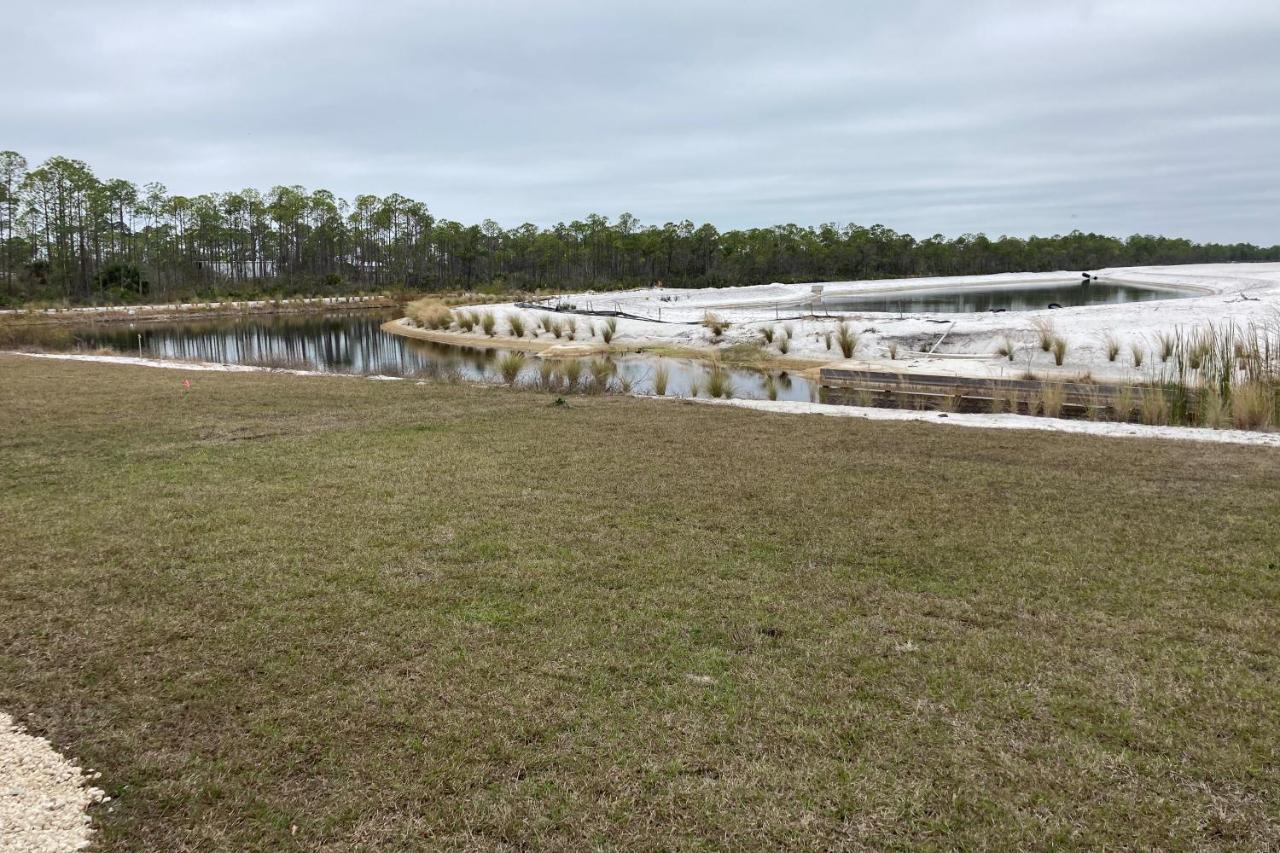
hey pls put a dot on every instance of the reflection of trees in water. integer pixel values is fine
(356, 342)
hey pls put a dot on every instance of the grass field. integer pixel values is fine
(326, 613)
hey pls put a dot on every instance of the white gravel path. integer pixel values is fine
(43, 796)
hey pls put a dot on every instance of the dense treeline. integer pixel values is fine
(68, 235)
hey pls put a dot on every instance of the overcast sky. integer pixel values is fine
(929, 117)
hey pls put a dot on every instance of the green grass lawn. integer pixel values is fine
(327, 613)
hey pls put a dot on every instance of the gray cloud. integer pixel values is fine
(928, 117)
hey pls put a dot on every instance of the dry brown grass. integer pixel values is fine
(429, 313)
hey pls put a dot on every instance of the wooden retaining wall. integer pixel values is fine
(851, 385)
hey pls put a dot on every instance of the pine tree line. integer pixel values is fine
(67, 235)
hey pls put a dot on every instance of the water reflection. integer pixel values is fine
(355, 343)
(1026, 297)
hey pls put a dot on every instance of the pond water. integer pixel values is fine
(353, 342)
(1024, 296)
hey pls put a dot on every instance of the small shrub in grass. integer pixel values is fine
(1112, 345)
(488, 323)
(1137, 353)
(847, 338)
(609, 330)
(516, 322)
(718, 383)
(1006, 348)
(784, 344)
(509, 365)
(1052, 396)
(716, 324)
(1253, 405)
(1044, 333)
(466, 320)
(1059, 347)
(767, 333)
(660, 378)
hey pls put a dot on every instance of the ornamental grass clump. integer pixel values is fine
(1059, 347)
(1052, 397)
(609, 330)
(509, 365)
(488, 322)
(1112, 345)
(601, 370)
(467, 320)
(429, 313)
(1253, 405)
(1006, 348)
(572, 375)
(660, 378)
(847, 338)
(1153, 406)
(516, 322)
(546, 375)
(1138, 353)
(716, 324)
(1045, 334)
(719, 383)
(767, 333)
(547, 322)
